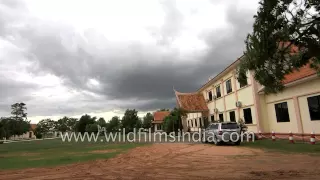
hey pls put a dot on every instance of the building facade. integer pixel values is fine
(28, 135)
(158, 120)
(295, 109)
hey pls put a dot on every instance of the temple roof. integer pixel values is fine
(192, 102)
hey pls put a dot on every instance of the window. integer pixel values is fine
(229, 126)
(247, 116)
(210, 95)
(195, 123)
(232, 115)
(243, 83)
(314, 107)
(228, 86)
(218, 91)
(191, 123)
(188, 124)
(212, 118)
(214, 126)
(200, 122)
(282, 112)
(221, 117)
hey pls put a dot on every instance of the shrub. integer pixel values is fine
(38, 136)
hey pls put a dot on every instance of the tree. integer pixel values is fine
(101, 122)
(84, 121)
(44, 127)
(11, 127)
(21, 126)
(92, 128)
(62, 124)
(130, 120)
(139, 124)
(18, 111)
(72, 123)
(3, 129)
(285, 37)
(18, 124)
(164, 109)
(114, 124)
(173, 121)
(147, 121)
(168, 123)
(179, 113)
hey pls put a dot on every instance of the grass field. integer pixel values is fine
(46, 153)
(284, 146)
(55, 152)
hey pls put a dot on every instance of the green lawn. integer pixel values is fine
(284, 145)
(55, 152)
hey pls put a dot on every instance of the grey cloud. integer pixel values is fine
(137, 73)
(173, 22)
(13, 91)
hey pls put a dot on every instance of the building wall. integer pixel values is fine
(227, 102)
(264, 115)
(193, 121)
(158, 127)
(263, 106)
(245, 96)
(308, 126)
(251, 127)
(24, 136)
(300, 121)
(283, 127)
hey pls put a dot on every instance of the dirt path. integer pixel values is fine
(183, 161)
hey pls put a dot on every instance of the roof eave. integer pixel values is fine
(293, 83)
(222, 73)
(194, 111)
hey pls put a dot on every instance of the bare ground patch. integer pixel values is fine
(183, 161)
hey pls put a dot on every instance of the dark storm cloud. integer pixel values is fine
(137, 73)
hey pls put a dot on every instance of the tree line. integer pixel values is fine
(90, 124)
(18, 124)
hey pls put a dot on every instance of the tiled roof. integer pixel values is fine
(160, 115)
(293, 48)
(303, 72)
(194, 102)
(33, 127)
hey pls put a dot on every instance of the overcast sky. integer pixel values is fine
(70, 57)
